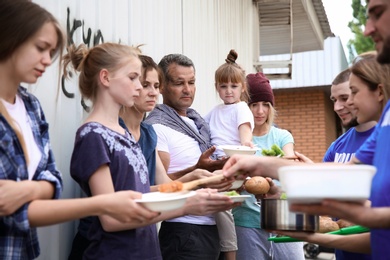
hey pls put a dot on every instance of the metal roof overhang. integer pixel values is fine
(310, 26)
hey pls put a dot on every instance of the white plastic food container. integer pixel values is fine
(313, 183)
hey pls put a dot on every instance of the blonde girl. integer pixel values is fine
(231, 123)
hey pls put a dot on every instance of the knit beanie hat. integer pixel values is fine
(259, 88)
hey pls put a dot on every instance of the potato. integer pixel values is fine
(327, 225)
(257, 185)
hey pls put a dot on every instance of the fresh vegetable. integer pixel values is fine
(283, 196)
(274, 151)
(232, 193)
(257, 185)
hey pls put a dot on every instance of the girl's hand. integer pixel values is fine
(13, 195)
(248, 143)
(122, 207)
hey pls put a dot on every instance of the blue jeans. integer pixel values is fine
(183, 241)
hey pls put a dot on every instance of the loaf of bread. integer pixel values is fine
(257, 185)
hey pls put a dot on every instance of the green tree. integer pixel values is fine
(360, 43)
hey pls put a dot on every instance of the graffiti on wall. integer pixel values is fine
(87, 40)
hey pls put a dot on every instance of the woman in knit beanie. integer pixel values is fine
(252, 241)
(259, 90)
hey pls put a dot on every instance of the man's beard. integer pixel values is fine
(384, 56)
(351, 123)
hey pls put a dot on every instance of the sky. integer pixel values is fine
(339, 14)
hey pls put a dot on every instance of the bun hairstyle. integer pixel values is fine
(89, 63)
(232, 72)
(232, 57)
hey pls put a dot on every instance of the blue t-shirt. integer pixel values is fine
(376, 151)
(148, 143)
(248, 214)
(342, 151)
(95, 146)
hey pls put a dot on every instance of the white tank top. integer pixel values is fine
(18, 112)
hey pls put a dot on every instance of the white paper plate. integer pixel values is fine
(237, 149)
(239, 198)
(164, 201)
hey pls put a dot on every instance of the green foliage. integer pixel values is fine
(361, 43)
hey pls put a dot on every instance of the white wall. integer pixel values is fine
(204, 30)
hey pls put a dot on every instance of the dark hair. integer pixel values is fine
(19, 21)
(178, 59)
(231, 71)
(342, 77)
(231, 57)
(148, 64)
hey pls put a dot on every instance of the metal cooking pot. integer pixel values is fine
(275, 215)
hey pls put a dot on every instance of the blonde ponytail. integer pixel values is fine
(11, 122)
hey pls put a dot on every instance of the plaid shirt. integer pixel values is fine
(17, 239)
